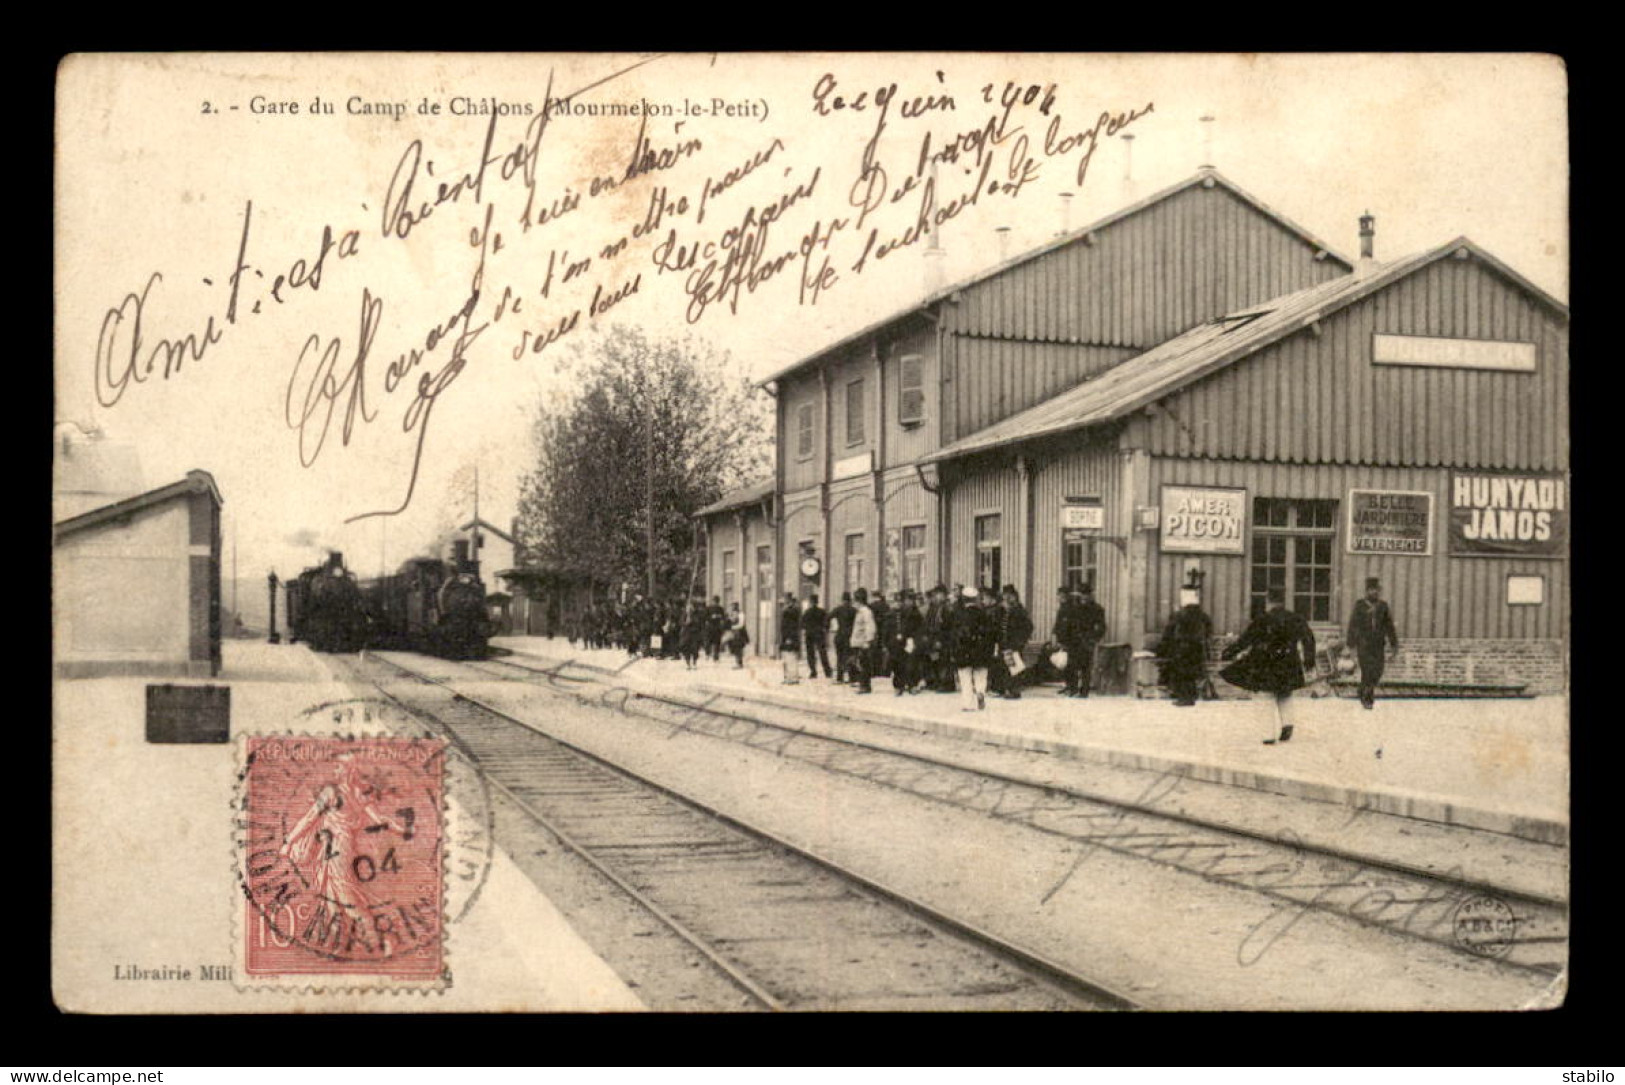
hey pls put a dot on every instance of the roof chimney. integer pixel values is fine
(1207, 140)
(1004, 243)
(1368, 237)
(1066, 214)
(935, 255)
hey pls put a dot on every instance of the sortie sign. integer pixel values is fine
(1203, 520)
(1508, 515)
(1390, 522)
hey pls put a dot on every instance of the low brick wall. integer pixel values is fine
(1541, 664)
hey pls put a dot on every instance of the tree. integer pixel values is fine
(657, 430)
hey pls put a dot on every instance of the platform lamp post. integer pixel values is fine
(270, 583)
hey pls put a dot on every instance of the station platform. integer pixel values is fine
(1501, 766)
(146, 866)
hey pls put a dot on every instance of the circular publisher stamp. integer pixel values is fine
(1486, 926)
(357, 848)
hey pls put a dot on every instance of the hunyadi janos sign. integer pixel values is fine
(1508, 515)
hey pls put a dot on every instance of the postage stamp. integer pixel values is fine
(342, 858)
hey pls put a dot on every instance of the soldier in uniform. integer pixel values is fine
(1183, 648)
(1371, 631)
(907, 637)
(790, 639)
(1015, 630)
(815, 633)
(841, 620)
(716, 624)
(934, 668)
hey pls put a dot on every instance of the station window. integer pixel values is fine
(854, 412)
(730, 583)
(911, 390)
(804, 431)
(854, 561)
(988, 549)
(914, 557)
(1080, 562)
(764, 574)
(1293, 544)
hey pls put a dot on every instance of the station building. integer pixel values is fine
(137, 584)
(1192, 385)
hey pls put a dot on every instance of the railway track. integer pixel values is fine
(1436, 907)
(787, 929)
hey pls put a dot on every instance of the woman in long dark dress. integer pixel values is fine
(1271, 657)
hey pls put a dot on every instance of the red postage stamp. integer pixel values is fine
(342, 858)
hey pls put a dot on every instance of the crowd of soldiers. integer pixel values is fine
(663, 629)
(970, 640)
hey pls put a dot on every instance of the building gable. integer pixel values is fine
(1454, 363)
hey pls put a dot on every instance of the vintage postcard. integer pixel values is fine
(793, 531)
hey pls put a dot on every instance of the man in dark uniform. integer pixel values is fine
(953, 617)
(716, 624)
(1183, 648)
(1015, 630)
(907, 637)
(877, 651)
(1080, 666)
(932, 663)
(843, 617)
(815, 632)
(1371, 630)
(790, 639)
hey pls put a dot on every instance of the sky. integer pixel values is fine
(172, 170)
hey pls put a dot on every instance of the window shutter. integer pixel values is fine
(804, 428)
(911, 390)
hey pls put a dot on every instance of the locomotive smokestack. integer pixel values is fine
(1368, 237)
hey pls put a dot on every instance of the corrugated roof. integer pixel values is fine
(195, 482)
(748, 495)
(1208, 347)
(1204, 175)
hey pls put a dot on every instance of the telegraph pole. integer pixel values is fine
(649, 486)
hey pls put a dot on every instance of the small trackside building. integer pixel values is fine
(740, 558)
(137, 585)
(856, 499)
(1406, 422)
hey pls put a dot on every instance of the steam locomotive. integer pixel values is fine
(428, 606)
(325, 608)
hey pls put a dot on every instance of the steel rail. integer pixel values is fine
(694, 941)
(1378, 866)
(1058, 976)
(1316, 849)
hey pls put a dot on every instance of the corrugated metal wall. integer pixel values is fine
(1085, 469)
(1319, 399)
(905, 444)
(1433, 596)
(1045, 325)
(795, 392)
(1200, 253)
(988, 486)
(992, 379)
(852, 508)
